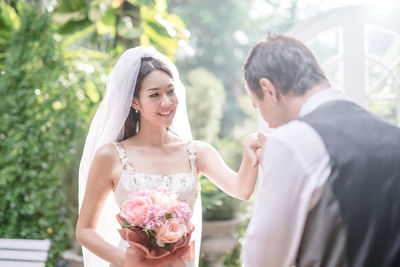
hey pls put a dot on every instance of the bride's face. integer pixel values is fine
(157, 100)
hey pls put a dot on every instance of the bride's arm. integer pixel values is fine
(239, 185)
(100, 182)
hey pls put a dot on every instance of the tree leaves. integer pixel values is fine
(39, 116)
(9, 21)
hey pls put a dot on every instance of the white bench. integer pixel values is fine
(23, 252)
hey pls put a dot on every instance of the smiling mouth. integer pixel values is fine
(165, 114)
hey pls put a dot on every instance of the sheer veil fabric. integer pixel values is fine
(108, 126)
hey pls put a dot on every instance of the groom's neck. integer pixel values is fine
(294, 104)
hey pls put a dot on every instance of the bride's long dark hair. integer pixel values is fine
(147, 65)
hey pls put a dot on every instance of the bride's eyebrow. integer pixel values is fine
(157, 88)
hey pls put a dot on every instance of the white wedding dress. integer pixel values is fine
(186, 185)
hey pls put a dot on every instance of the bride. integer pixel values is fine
(140, 138)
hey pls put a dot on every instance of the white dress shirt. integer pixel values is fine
(294, 169)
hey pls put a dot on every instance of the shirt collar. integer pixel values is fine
(322, 97)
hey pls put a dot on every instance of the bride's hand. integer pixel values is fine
(138, 259)
(254, 145)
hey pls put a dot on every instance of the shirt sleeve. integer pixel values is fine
(281, 206)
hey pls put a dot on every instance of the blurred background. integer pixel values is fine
(55, 56)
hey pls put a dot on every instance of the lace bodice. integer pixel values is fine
(186, 185)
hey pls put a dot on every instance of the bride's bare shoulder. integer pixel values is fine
(106, 151)
(106, 160)
(205, 155)
(202, 147)
(107, 154)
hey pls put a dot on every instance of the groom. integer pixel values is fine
(329, 193)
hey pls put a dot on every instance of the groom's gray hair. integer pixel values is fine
(286, 62)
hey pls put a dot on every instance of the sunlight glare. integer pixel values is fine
(383, 7)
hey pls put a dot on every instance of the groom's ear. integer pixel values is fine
(269, 89)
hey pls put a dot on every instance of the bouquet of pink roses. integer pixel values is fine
(156, 223)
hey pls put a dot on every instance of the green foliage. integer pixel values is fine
(213, 26)
(104, 25)
(223, 32)
(160, 29)
(231, 151)
(216, 204)
(232, 258)
(39, 111)
(9, 21)
(205, 98)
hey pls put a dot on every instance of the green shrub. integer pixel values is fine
(9, 20)
(205, 98)
(39, 121)
(216, 204)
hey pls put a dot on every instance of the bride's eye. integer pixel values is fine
(154, 95)
(171, 92)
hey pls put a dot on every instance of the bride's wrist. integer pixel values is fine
(121, 259)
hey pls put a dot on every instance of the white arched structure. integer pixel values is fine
(359, 50)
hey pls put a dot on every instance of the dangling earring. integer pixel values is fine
(137, 122)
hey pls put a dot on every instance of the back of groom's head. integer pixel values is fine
(286, 62)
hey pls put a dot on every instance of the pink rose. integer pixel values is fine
(166, 201)
(134, 210)
(173, 230)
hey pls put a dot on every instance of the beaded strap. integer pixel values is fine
(124, 157)
(192, 156)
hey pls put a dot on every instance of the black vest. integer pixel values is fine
(357, 220)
